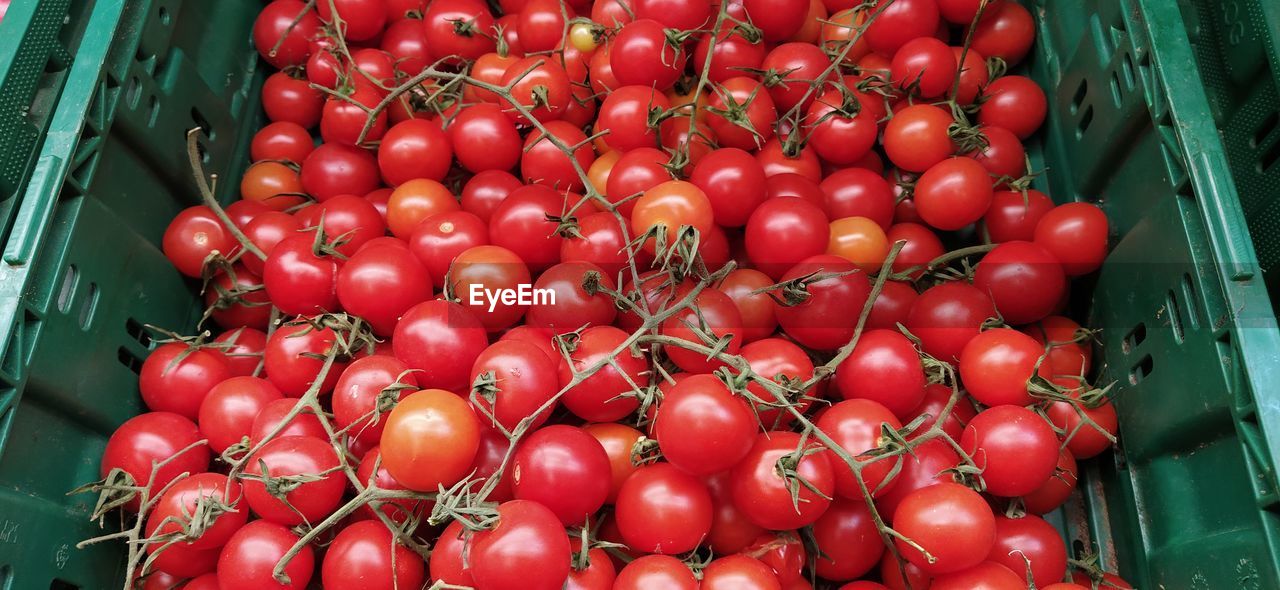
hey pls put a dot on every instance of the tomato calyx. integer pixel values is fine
(735, 112)
(796, 291)
(352, 335)
(787, 467)
(645, 451)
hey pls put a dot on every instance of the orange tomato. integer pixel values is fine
(416, 200)
(670, 206)
(273, 184)
(860, 241)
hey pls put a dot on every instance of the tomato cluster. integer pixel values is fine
(754, 364)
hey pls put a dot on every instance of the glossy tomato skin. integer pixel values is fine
(1004, 155)
(798, 66)
(282, 140)
(884, 367)
(1036, 540)
(227, 412)
(826, 319)
(304, 424)
(661, 509)
(480, 275)
(1076, 235)
(599, 397)
(484, 138)
(573, 306)
(738, 572)
(858, 192)
(251, 555)
(641, 56)
(177, 379)
(899, 22)
(334, 169)
(244, 349)
(526, 549)
(923, 470)
(521, 225)
(843, 131)
(1085, 440)
(848, 540)
(192, 236)
(1006, 31)
(758, 310)
(355, 395)
(953, 193)
(984, 576)
(365, 555)
(715, 315)
(996, 365)
(656, 572)
(947, 316)
(298, 281)
(916, 137)
(238, 301)
(925, 66)
(173, 511)
(1013, 217)
(762, 494)
(782, 232)
(415, 201)
(937, 518)
(781, 361)
(446, 40)
(1024, 280)
(446, 564)
(290, 362)
(349, 222)
(285, 98)
(1015, 103)
(290, 456)
(440, 238)
(698, 405)
(1016, 449)
(734, 183)
(617, 440)
(892, 307)
(752, 99)
(149, 438)
(524, 378)
(276, 25)
(414, 149)
(564, 469)
(442, 340)
(380, 284)
(855, 426)
(417, 430)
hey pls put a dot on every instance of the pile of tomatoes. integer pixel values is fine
(633, 294)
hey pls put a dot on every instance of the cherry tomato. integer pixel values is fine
(656, 572)
(564, 469)
(698, 405)
(857, 192)
(526, 549)
(1032, 538)
(521, 378)
(1015, 103)
(797, 67)
(640, 55)
(617, 440)
(602, 396)
(738, 572)
(731, 54)
(855, 426)
(380, 284)
(996, 364)
(430, 439)
(146, 439)
(923, 66)
(984, 576)
(441, 340)
(273, 414)
(176, 377)
(844, 126)
(173, 512)
(712, 315)
(917, 137)
(733, 182)
(860, 241)
(576, 303)
(1015, 448)
(244, 352)
(661, 509)
(487, 279)
(193, 236)
(228, 411)
(539, 86)
(1006, 31)
(898, 22)
(1013, 216)
(458, 29)
(884, 367)
(282, 33)
(947, 316)
(950, 522)
(250, 557)
(827, 312)
(546, 164)
(847, 538)
(1025, 281)
(765, 497)
(419, 149)
(758, 310)
(335, 169)
(783, 232)
(365, 555)
(282, 140)
(286, 457)
(1076, 235)
(416, 200)
(749, 113)
(290, 358)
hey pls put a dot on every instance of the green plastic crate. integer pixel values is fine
(1188, 501)
(37, 43)
(82, 270)
(1237, 47)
